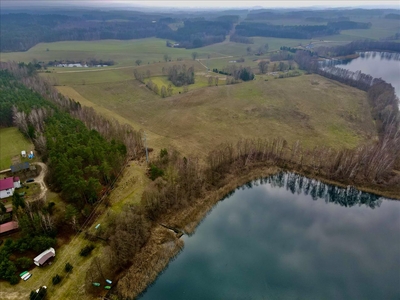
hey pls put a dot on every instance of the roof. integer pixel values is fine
(19, 167)
(8, 227)
(7, 183)
(44, 256)
(16, 179)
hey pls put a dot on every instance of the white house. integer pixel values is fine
(44, 256)
(8, 185)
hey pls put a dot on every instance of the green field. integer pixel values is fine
(124, 53)
(12, 142)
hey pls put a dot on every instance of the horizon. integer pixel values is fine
(191, 5)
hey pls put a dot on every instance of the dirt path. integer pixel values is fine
(40, 180)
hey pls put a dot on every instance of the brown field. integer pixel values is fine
(309, 108)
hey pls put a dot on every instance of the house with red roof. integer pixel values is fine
(8, 185)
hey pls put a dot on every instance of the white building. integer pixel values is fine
(8, 185)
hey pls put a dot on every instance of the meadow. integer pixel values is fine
(12, 142)
(309, 108)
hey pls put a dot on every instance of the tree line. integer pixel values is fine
(360, 45)
(199, 32)
(250, 29)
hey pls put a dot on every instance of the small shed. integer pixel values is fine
(43, 257)
(23, 153)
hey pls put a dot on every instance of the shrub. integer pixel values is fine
(56, 279)
(85, 251)
(68, 267)
(14, 279)
(155, 172)
(38, 295)
(24, 262)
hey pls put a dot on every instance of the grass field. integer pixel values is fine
(12, 142)
(309, 107)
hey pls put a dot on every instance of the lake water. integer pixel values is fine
(288, 237)
(377, 64)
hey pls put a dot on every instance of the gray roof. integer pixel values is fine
(19, 167)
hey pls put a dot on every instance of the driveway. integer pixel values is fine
(40, 180)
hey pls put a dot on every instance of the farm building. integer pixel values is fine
(8, 185)
(23, 153)
(41, 259)
(8, 227)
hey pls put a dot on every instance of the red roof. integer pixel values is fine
(7, 183)
(8, 226)
(16, 179)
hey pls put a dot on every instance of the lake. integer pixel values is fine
(377, 64)
(289, 237)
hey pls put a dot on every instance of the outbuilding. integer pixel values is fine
(43, 257)
(8, 185)
(9, 227)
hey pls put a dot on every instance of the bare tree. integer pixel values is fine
(166, 57)
(138, 62)
(194, 55)
(263, 66)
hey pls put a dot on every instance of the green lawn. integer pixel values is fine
(12, 142)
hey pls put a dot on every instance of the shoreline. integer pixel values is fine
(164, 244)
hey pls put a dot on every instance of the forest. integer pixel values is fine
(249, 29)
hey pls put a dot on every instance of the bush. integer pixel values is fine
(85, 251)
(24, 262)
(155, 172)
(56, 279)
(14, 279)
(39, 295)
(68, 267)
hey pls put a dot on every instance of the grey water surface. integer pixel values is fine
(289, 237)
(377, 64)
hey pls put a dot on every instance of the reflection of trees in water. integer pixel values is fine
(298, 184)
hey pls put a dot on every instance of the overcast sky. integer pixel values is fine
(204, 4)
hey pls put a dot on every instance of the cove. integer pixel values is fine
(289, 237)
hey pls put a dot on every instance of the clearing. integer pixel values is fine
(12, 142)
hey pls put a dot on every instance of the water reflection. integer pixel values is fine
(290, 237)
(383, 65)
